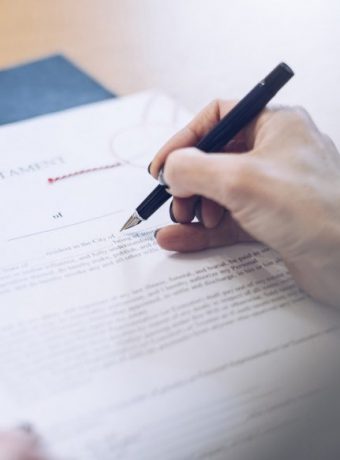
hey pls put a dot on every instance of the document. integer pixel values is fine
(115, 349)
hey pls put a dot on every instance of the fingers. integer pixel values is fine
(187, 172)
(193, 132)
(195, 237)
(209, 213)
(19, 436)
(182, 210)
(236, 145)
(225, 179)
(17, 445)
(276, 123)
(20, 444)
(255, 135)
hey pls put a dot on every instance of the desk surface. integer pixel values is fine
(196, 50)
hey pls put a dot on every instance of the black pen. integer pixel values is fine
(245, 111)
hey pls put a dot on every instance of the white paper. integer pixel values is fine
(116, 349)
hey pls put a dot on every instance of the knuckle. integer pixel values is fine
(175, 164)
(289, 112)
(170, 168)
(217, 102)
(210, 112)
(215, 108)
(296, 119)
(299, 115)
(300, 111)
(328, 141)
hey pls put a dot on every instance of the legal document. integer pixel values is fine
(115, 349)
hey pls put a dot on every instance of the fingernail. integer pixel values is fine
(155, 234)
(149, 168)
(161, 179)
(198, 210)
(171, 212)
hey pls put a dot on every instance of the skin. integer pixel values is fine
(279, 184)
(20, 444)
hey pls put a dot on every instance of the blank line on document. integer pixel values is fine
(28, 235)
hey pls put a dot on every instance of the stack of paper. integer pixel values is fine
(115, 349)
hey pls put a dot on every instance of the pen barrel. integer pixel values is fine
(246, 110)
(238, 118)
(153, 201)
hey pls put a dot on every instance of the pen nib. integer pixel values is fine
(132, 221)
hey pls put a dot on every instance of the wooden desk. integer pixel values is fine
(194, 49)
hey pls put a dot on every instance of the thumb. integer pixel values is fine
(223, 178)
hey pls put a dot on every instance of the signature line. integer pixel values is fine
(21, 237)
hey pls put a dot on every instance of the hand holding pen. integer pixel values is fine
(279, 184)
(224, 131)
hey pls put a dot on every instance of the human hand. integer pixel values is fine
(283, 190)
(20, 444)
